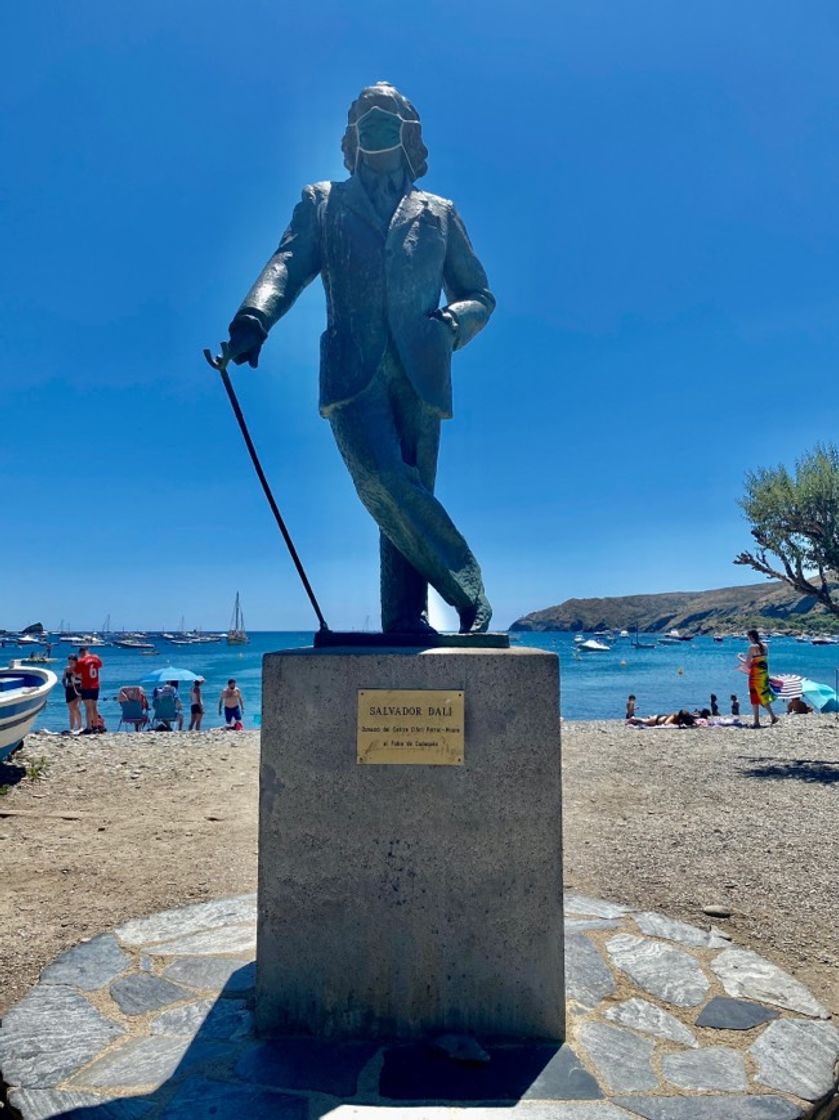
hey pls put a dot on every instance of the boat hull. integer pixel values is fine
(24, 690)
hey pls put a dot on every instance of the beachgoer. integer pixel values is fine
(715, 711)
(88, 666)
(178, 705)
(72, 693)
(798, 707)
(681, 718)
(735, 705)
(196, 707)
(233, 704)
(757, 664)
(630, 706)
(169, 689)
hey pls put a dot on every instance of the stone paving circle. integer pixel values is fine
(666, 1021)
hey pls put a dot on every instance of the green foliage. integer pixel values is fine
(795, 523)
(36, 768)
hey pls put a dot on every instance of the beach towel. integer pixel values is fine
(760, 690)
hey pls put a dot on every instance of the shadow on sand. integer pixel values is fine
(813, 770)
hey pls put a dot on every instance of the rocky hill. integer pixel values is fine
(772, 606)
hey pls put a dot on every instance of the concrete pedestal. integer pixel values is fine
(399, 900)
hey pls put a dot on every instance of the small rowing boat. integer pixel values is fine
(23, 693)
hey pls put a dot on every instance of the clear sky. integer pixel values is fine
(652, 187)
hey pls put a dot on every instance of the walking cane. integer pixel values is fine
(220, 363)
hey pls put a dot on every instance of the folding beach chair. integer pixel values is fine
(133, 706)
(167, 708)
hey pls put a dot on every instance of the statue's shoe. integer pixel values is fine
(474, 619)
(419, 625)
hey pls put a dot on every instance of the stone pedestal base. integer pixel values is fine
(399, 900)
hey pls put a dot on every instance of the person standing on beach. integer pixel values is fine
(72, 693)
(630, 706)
(196, 707)
(735, 705)
(715, 708)
(88, 666)
(233, 704)
(756, 664)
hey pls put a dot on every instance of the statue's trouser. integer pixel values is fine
(389, 440)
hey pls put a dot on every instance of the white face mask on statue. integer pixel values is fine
(379, 130)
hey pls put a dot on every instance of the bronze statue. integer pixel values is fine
(385, 250)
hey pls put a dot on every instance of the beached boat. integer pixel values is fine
(593, 646)
(236, 635)
(23, 693)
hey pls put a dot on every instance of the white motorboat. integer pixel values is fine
(673, 636)
(132, 643)
(23, 693)
(591, 645)
(92, 640)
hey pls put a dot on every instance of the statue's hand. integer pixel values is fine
(246, 337)
(450, 319)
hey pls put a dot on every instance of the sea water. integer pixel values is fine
(593, 685)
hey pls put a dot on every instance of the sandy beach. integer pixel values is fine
(100, 829)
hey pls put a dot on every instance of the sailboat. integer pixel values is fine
(642, 645)
(236, 635)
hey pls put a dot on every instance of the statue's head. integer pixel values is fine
(381, 119)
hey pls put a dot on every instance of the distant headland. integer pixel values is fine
(768, 606)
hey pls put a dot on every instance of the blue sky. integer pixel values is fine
(652, 188)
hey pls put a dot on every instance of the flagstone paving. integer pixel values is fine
(666, 1021)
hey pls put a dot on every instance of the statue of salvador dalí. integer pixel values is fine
(385, 251)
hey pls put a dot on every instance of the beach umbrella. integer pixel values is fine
(171, 673)
(787, 685)
(820, 696)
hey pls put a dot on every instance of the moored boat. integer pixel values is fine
(133, 642)
(237, 635)
(23, 693)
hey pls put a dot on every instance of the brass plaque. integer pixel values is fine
(410, 728)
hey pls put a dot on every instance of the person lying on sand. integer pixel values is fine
(681, 718)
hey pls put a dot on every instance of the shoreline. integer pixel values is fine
(115, 826)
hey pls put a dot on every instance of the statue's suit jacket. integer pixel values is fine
(382, 281)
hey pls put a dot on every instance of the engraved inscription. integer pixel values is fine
(410, 728)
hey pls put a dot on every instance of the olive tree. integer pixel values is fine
(795, 523)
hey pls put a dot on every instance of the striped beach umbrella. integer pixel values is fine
(787, 685)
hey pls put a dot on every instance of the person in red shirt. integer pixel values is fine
(87, 667)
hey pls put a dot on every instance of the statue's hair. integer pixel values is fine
(387, 97)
